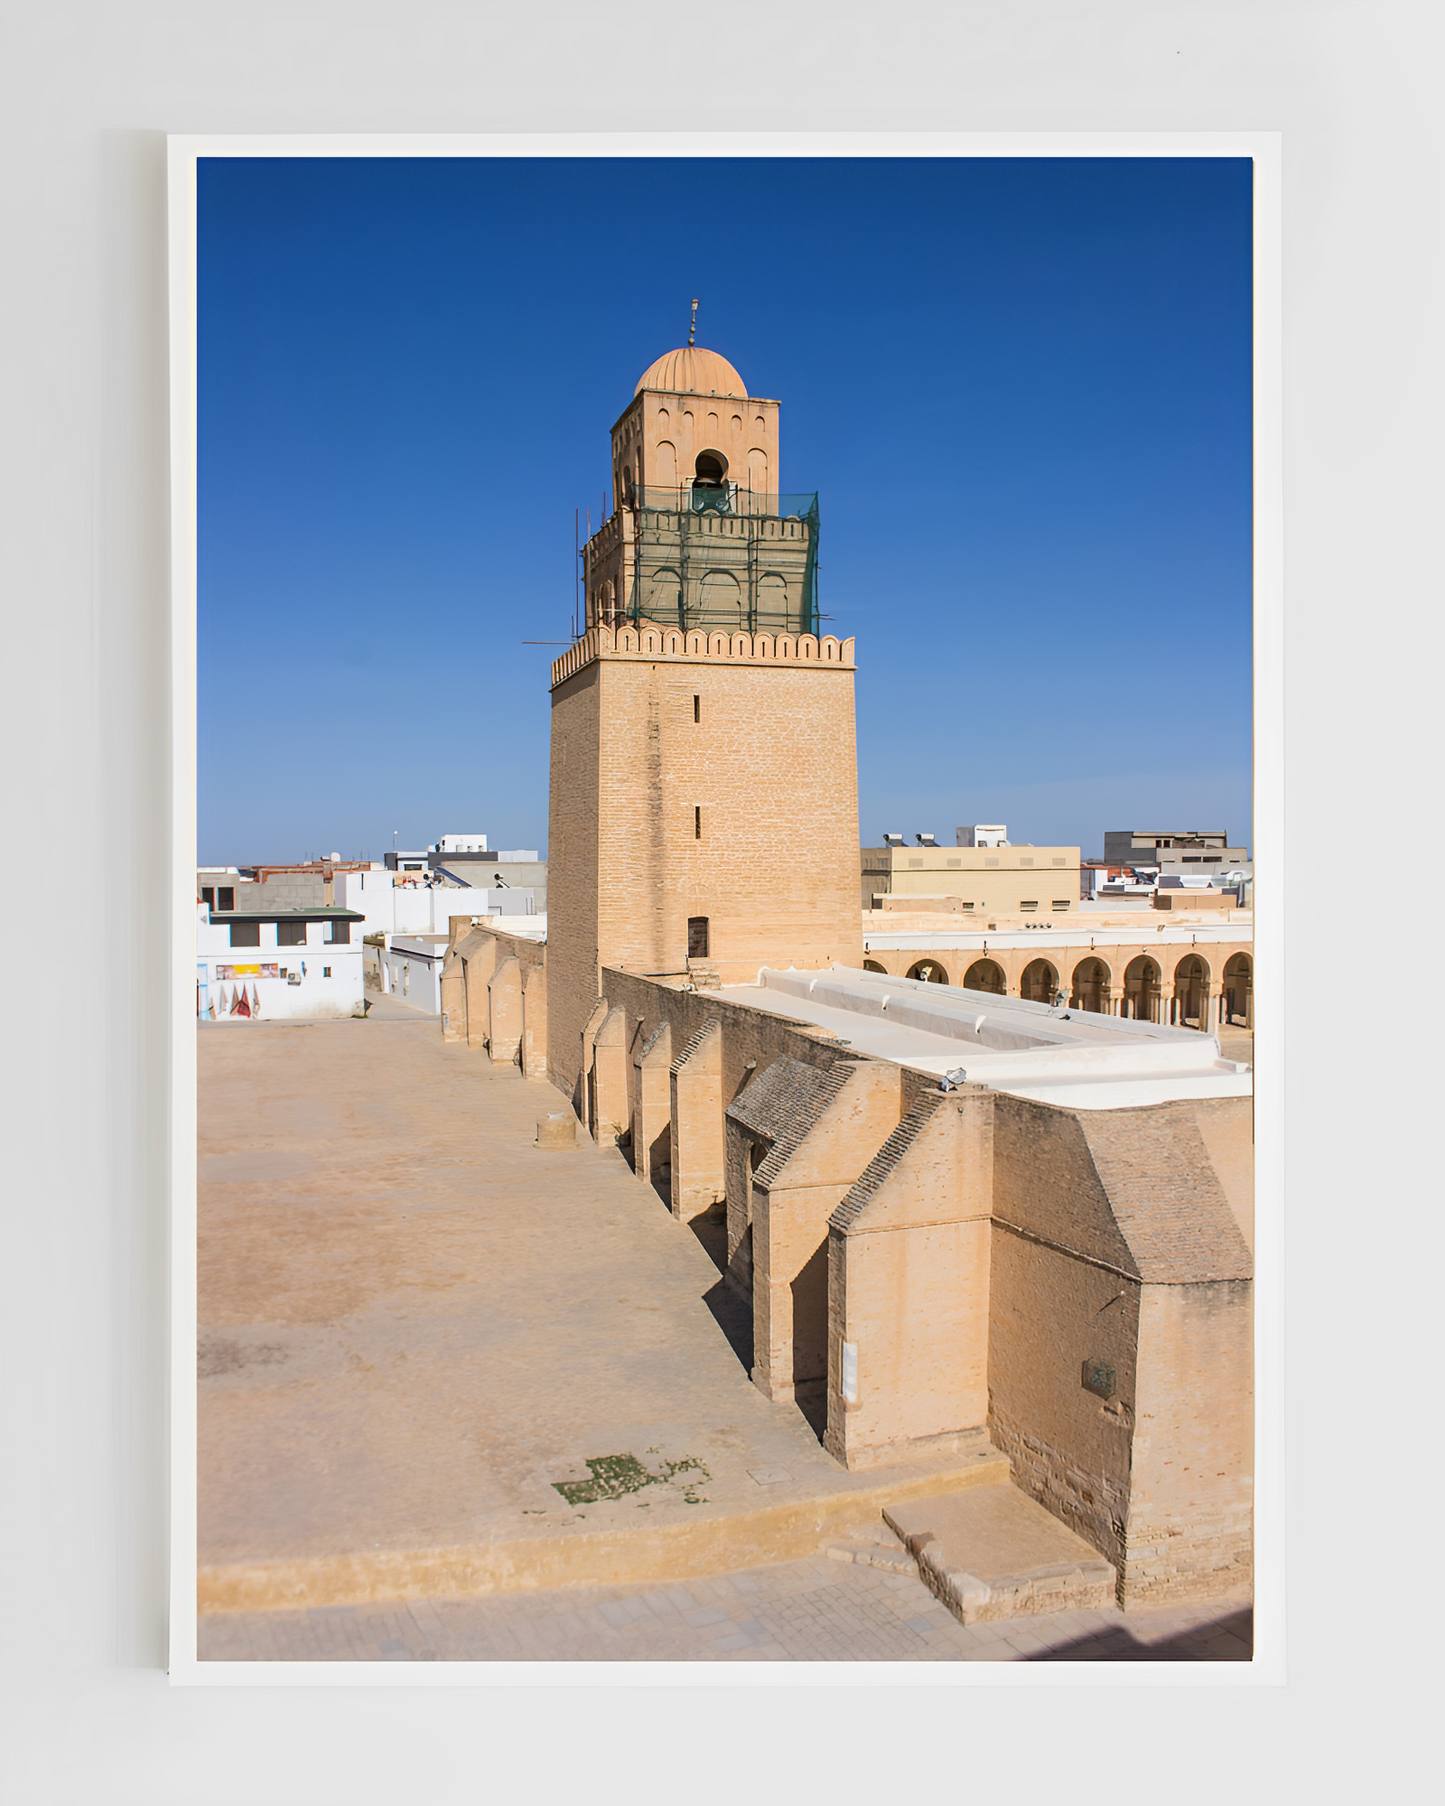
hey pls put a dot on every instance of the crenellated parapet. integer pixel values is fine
(648, 640)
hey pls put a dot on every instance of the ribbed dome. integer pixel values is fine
(693, 371)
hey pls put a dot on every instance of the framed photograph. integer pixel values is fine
(735, 694)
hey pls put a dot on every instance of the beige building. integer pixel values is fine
(1188, 974)
(961, 1219)
(1192, 850)
(1008, 880)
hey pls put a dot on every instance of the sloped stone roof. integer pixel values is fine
(1164, 1195)
(782, 1104)
(924, 1108)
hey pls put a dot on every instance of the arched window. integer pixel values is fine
(1239, 991)
(1191, 993)
(709, 483)
(985, 975)
(1090, 989)
(1141, 990)
(773, 601)
(929, 971)
(722, 599)
(662, 596)
(1040, 982)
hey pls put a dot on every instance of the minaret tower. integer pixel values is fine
(704, 804)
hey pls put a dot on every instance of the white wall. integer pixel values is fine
(413, 977)
(392, 908)
(330, 982)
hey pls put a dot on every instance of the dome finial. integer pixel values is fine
(692, 330)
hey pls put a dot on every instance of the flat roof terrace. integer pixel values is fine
(1035, 1050)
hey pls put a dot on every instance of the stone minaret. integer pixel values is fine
(704, 804)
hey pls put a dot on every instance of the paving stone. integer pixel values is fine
(811, 1611)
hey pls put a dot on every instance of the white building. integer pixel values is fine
(411, 969)
(296, 964)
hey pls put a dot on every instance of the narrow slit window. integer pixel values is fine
(697, 822)
(697, 708)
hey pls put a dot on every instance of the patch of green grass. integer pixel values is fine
(614, 1476)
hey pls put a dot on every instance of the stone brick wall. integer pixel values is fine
(572, 843)
(1191, 1492)
(1116, 1250)
(698, 777)
(1049, 1313)
(471, 1012)
(908, 1274)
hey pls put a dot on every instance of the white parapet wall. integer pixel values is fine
(1034, 1050)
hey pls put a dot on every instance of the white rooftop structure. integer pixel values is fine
(1051, 1054)
(1067, 932)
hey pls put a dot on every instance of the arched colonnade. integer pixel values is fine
(1183, 988)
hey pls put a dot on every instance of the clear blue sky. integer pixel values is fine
(1021, 387)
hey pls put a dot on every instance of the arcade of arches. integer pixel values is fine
(1187, 987)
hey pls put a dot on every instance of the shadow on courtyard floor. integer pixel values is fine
(1228, 1639)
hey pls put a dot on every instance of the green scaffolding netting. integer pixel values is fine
(720, 556)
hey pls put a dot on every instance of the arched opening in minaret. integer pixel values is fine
(710, 487)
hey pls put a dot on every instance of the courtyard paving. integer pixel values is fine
(428, 1348)
(421, 1337)
(814, 1610)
